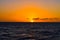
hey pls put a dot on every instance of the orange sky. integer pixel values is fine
(25, 12)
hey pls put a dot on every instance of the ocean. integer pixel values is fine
(29, 30)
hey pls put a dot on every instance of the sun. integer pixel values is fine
(31, 21)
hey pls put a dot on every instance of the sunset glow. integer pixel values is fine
(19, 11)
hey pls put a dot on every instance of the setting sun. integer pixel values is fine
(31, 21)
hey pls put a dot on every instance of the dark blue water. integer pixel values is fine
(29, 31)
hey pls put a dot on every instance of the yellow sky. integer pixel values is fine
(19, 12)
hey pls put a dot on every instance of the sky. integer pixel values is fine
(26, 10)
